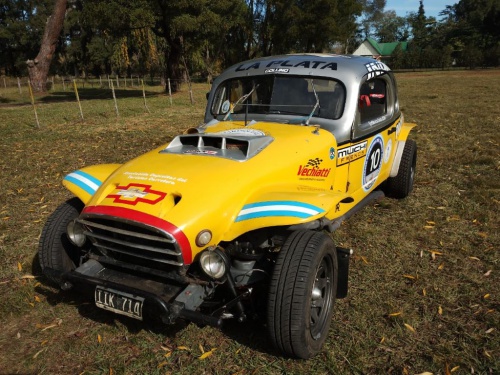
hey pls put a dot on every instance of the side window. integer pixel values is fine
(372, 102)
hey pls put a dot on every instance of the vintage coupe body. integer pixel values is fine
(233, 218)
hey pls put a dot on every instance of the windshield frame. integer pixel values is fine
(269, 96)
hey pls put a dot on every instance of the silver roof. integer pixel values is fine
(352, 71)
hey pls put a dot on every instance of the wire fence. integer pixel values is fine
(19, 91)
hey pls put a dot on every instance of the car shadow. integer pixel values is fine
(252, 333)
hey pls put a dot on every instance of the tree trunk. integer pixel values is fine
(173, 63)
(38, 69)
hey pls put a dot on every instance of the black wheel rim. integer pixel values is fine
(321, 297)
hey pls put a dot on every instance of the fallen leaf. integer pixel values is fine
(19, 266)
(201, 348)
(99, 338)
(430, 223)
(168, 354)
(487, 354)
(490, 330)
(454, 368)
(486, 296)
(426, 373)
(440, 310)
(482, 234)
(474, 258)
(18, 335)
(164, 363)
(206, 354)
(409, 327)
(488, 273)
(395, 313)
(424, 292)
(26, 276)
(183, 348)
(382, 340)
(39, 352)
(409, 277)
(37, 298)
(441, 266)
(428, 226)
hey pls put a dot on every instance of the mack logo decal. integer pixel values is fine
(136, 193)
(347, 154)
(312, 169)
(307, 64)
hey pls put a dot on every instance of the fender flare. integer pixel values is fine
(83, 183)
(402, 137)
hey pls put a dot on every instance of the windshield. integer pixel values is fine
(276, 94)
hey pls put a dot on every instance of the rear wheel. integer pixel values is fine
(302, 294)
(56, 253)
(401, 185)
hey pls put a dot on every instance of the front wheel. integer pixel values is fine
(302, 294)
(55, 251)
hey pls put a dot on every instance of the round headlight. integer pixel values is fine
(213, 264)
(75, 233)
(203, 238)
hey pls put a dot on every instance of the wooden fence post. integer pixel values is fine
(169, 91)
(114, 99)
(78, 98)
(33, 104)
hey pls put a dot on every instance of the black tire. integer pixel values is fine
(55, 251)
(402, 185)
(302, 294)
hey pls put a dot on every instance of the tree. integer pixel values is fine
(392, 28)
(38, 69)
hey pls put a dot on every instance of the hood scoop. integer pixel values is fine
(234, 147)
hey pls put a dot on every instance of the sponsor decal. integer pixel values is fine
(313, 169)
(278, 208)
(373, 163)
(204, 152)
(388, 149)
(376, 68)
(332, 153)
(137, 193)
(351, 153)
(153, 177)
(278, 64)
(243, 132)
(84, 181)
(277, 70)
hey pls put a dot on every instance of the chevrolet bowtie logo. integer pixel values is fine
(137, 193)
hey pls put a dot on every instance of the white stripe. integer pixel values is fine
(278, 207)
(85, 180)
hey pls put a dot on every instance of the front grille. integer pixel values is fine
(132, 242)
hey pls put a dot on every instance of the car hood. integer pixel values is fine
(213, 179)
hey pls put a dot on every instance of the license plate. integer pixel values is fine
(119, 302)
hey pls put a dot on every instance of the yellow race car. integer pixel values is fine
(232, 219)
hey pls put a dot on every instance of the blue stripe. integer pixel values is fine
(80, 184)
(91, 178)
(255, 215)
(281, 203)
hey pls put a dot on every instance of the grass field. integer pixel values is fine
(424, 282)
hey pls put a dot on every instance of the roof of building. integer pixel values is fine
(386, 49)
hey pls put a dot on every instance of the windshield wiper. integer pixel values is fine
(240, 100)
(315, 106)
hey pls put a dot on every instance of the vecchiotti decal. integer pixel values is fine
(84, 181)
(278, 208)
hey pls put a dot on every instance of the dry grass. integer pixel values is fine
(424, 280)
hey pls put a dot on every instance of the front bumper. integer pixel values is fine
(159, 297)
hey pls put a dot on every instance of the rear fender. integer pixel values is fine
(84, 182)
(402, 136)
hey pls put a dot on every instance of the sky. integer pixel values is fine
(432, 7)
